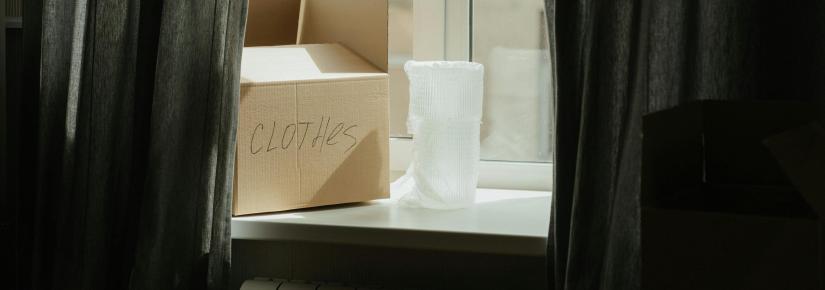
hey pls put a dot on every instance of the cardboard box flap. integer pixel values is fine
(303, 62)
(272, 22)
(801, 154)
(360, 25)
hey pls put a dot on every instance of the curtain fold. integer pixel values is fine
(618, 60)
(597, 145)
(135, 125)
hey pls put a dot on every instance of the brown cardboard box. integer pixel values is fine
(313, 121)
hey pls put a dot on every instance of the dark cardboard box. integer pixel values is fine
(737, 205)
(732, 237)
(694, 249)
(709, 143)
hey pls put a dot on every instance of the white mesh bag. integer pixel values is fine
(445, 120)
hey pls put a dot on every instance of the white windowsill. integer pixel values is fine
(502, 221)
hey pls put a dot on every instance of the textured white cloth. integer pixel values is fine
(445, 120)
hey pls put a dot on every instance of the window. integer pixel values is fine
(509, 37)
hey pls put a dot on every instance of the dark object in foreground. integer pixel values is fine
(720, 209)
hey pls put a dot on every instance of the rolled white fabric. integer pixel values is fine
(445, 121)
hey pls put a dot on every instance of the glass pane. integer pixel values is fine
(510, 39)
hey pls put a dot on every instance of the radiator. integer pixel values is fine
(282, 284)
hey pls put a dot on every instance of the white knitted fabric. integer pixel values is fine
(445, 120)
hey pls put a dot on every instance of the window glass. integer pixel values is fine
(510, 39)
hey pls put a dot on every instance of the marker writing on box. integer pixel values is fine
(295, 134)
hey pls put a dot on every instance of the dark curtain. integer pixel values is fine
(125, 165)
(618, 60)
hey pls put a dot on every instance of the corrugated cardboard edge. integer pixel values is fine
(303, 207)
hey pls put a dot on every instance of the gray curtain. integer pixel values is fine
(618, 60)
(129, 149)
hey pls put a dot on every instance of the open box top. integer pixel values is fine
(308, 62)
(359, 25)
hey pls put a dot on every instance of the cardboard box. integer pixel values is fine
(720, 226)
(711, 143)
(697, 249)
(756, 238)
(313, 123)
